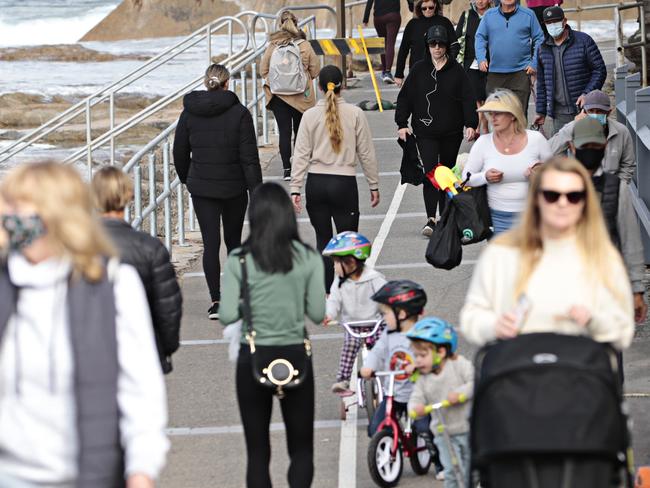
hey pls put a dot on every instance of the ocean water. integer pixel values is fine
(32, 22)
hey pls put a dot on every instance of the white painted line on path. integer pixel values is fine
(210, 342)
(238, 429)
(348, 447)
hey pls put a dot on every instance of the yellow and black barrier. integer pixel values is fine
(342, 47)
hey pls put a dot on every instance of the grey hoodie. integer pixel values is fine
(351, 301)
(457, 376)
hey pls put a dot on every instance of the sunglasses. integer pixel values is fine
(424, 9)
(437, 44)
(572, 197)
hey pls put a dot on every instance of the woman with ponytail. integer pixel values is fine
(332, 135)
(289, 105)
(215, 154)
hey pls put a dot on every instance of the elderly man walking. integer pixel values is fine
(512, 35)
(569, 65)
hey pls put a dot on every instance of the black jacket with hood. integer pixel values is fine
(439, 103)
(215, 148)
(473, 20)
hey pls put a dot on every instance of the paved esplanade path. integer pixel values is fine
(207, 440)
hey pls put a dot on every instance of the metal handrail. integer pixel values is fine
(108, 91)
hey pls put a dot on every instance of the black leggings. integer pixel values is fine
(387, 26)
(255, 406)
(288, 119)
(209, 212)
(331, 197)
(433, 151)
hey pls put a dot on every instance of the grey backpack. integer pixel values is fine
(287, 75)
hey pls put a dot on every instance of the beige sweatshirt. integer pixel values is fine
(559, 282)
(313, 151)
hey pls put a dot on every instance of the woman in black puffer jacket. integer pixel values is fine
(112, 192)
(215, 154)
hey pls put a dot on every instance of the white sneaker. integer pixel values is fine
(427, 230)
(440, 476)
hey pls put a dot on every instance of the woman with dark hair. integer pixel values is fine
(332, 135)
(438, 99)
(215, 154)
(285, 283)
(288, 107)
(387, 20)
(427, 13)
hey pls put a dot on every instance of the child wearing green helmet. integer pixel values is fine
(350, 296)
(444, 375)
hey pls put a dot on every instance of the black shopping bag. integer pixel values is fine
(444, 250)
(472, 215)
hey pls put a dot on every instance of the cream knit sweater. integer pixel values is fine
(559, 282)
(313, 150)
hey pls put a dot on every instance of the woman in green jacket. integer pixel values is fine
(285, 283)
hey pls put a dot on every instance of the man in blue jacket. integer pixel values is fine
(569, 66)
(510, 33)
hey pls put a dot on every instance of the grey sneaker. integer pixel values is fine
(427, 230)
(340, 386)
(388, 78)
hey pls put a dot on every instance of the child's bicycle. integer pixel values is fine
(369, 392)
(392, 441)
(436, 409)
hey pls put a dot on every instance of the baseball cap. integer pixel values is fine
(597, 99)
(437, 33)
(553, 14)
(588, 131)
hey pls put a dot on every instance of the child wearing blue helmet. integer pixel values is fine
(444, 375)
(350, 295)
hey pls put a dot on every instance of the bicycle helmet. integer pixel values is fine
(436, 331)
(348, 244)
(404, 294)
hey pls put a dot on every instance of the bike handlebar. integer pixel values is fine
(438, 406)
(389, 373)
(359, 324)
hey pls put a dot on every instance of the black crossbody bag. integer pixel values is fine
(278, 367)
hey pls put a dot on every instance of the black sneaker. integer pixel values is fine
(287, 174)
(427, 230)
(213, 311)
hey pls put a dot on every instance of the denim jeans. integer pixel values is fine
(460, 444)
(503, 221)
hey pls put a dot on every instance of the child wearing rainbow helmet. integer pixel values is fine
(444, 375)
(350, 296)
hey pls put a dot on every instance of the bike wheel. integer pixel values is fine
(385, 469)
(421, 458)
(369, 392)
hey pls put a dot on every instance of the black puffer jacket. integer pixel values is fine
(439, 103)
(215, 148)
(473, 20)
(151, 260)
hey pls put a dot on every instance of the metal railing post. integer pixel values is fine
(111, 118)
(88, 140)
(209, 36)
(255, 97)
(153, 221)
(243, 87)
(191, 217)
(168, 199)
(230, 38)
(181, 214)
(137, 195)
(265, 120)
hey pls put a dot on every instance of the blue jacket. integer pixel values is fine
(584, 70)
(509, 41)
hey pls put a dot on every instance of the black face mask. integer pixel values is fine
(590, 158)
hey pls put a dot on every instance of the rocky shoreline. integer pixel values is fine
(75, 53)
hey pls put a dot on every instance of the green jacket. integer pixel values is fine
(279, 302)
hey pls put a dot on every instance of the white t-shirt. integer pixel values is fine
(509, 195)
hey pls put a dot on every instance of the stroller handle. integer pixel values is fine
(438, 406)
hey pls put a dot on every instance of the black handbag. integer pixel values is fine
(444, 250)
(278, 367)
(472, 215)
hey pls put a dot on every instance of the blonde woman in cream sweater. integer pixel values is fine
(561, 259)
(332, 135)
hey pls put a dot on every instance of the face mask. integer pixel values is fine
(590, 158)
(22, 230)
(555, 29)
(602, 118)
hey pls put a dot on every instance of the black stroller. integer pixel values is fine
(548, 412)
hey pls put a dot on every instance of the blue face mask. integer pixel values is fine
(555, 29)
(602, 118)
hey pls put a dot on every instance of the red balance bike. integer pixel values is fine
(393, 440)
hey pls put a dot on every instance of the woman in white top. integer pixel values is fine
(102, 425)
(560, 261)
(504, 158)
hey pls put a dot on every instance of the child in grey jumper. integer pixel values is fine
(444, 375)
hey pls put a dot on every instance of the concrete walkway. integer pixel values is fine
(207, 441)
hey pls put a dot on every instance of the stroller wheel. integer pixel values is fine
(385, 469)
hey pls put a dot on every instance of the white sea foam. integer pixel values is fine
(50, 30)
